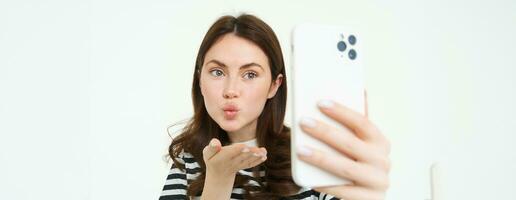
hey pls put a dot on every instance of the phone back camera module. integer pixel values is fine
(342, 46)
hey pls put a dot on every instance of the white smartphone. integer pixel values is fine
(326, 64)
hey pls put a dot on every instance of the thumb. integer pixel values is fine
(211, 149)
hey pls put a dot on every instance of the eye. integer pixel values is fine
(216, 72)
(250, 75)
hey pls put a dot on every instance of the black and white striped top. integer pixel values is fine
(177, 182)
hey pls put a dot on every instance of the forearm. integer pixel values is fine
(217, 187)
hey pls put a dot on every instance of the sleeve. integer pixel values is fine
(176, 184)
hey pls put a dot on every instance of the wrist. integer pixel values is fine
(217, 186)
(220, 177)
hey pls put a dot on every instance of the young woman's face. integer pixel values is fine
(235, 83)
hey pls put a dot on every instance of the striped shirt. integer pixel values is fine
(177, 182)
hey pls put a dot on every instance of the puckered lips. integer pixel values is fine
(230, 111)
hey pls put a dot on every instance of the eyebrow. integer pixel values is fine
(248, 65)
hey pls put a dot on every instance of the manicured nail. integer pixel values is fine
(304, 151)
(325, 103)
(212, 143)
(245, 150)
(308, 122)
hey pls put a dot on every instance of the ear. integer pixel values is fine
(274, 86)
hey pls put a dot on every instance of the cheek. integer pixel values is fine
(257, 98)
(211, 92)
(260, 90)
(206, 86)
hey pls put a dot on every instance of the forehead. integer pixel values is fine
(236, 51)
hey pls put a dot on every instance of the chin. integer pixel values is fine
(230, 126)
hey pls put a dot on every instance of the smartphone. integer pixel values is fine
(326, 64)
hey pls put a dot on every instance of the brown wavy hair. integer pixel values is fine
(271, 133)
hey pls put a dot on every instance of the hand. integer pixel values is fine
(364, 155)
(228, 160)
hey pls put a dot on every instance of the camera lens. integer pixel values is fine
(352, 54)
(341, 46)
(352, 39)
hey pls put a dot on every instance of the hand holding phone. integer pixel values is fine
(336, 149)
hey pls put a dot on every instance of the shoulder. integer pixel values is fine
(192, 169)
(176, 183)
(184, 158)
(187, 158)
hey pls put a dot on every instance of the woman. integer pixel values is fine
(236, 146)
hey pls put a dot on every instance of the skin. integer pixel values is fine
(364, 156)
(235, 71)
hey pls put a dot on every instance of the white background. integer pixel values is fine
(88, 89)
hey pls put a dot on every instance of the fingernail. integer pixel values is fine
(256, 154)
(304, 151)
(325, 103)
(308, 122)
(245, 150)
(212, 143)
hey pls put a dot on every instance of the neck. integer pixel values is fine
(246, 133)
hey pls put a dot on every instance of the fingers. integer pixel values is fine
(351, 192)
(359, 173)
(361, 126)
(232, 151)
(236, 157)
(339, 140)
(345, 143)
(211, 149)
(250, 157)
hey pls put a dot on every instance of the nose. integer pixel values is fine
(231, 88)
(230, 95)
